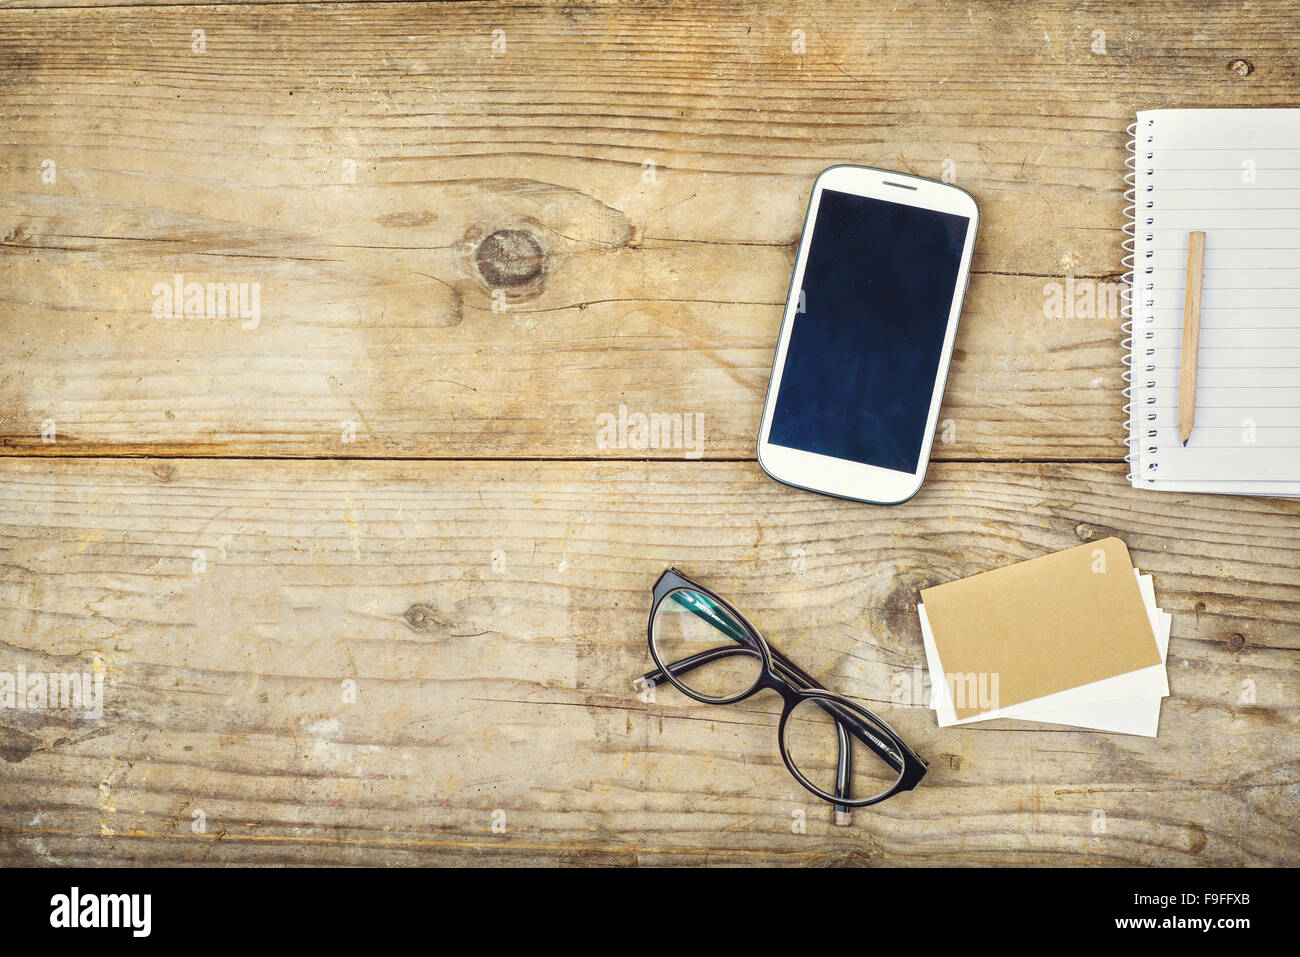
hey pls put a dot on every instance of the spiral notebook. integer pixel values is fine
(1235, 174)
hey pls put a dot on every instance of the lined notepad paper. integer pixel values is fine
(1236, 175)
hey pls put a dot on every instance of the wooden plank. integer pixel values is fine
(492, 617)
(536, 384)
(376, 295)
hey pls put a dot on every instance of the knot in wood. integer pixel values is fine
(510, 257)
(421, 618)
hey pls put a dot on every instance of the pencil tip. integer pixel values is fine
(1184, 443)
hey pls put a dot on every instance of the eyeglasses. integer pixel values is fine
(832, 745)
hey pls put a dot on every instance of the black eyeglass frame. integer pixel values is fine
(795, 686)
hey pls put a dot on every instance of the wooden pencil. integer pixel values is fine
(1191, 334)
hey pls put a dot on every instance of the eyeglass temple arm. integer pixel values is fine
(782, 667)
(843, 775)
(796, 677)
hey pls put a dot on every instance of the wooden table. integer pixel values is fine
(364, 581)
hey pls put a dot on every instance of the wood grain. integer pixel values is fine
(447, 529)
(487, 686)
(232, 165)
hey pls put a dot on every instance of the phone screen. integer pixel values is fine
(864, 348)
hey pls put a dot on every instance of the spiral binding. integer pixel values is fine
(1134, 436)
(1126, 291)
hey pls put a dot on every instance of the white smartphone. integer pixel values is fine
(867, 335)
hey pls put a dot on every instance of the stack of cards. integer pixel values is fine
(1073, 638)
